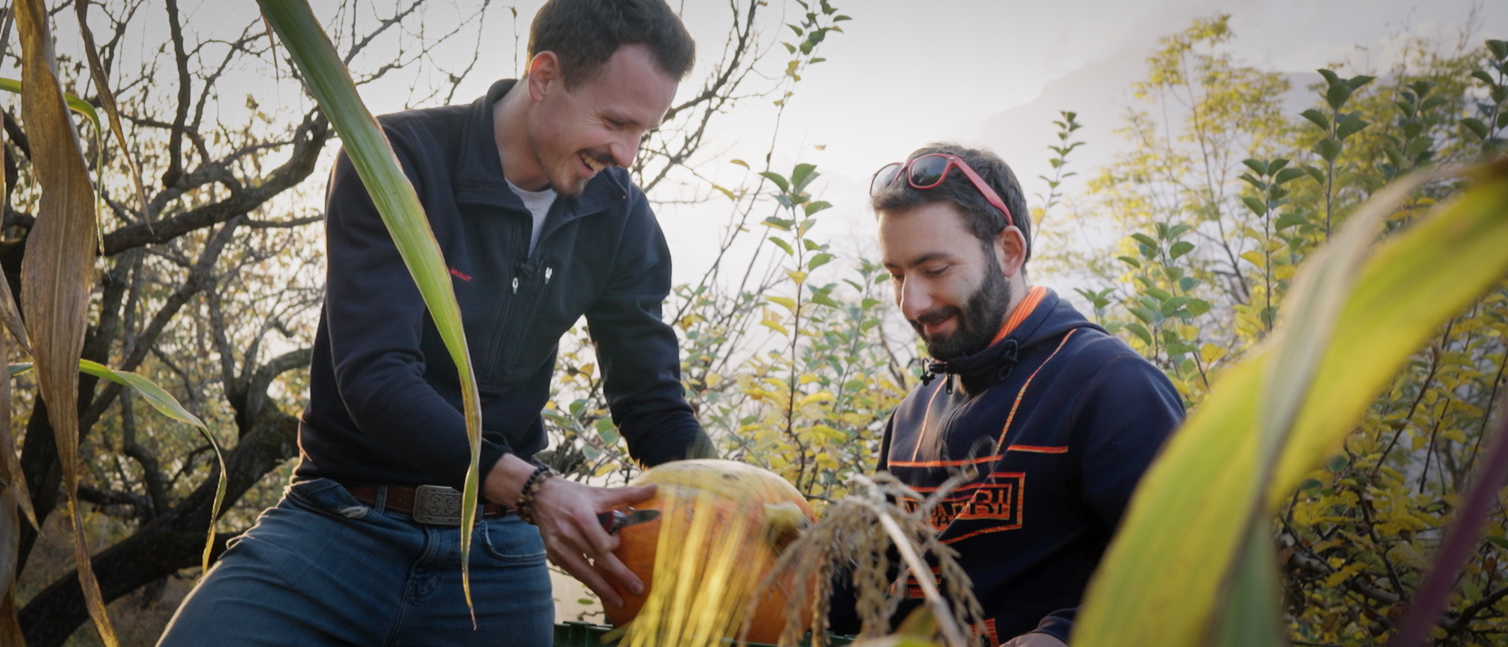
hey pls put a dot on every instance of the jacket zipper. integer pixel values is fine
(513, 313)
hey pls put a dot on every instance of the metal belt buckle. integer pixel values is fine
(437, 505)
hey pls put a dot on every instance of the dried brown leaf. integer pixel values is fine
(58, 268)
(10, 538)
(10, 626)
(10, 462)
(107, 100)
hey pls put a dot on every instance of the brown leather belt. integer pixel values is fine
(435, 505)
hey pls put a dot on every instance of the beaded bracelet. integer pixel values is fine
(525, 504)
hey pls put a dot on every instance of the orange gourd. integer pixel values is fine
(715, 510)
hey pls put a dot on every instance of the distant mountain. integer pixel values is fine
(1100, 93)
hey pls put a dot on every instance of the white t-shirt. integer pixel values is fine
(538, 203)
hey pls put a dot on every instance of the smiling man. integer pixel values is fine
(526, 192)
(1059, 418)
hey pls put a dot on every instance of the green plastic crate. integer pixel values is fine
(586, 634)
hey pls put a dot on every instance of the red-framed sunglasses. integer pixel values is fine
(929, 171)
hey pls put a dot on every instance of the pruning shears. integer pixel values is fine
(614, 520)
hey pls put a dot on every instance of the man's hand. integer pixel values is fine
(566, 513)
(1034, 640)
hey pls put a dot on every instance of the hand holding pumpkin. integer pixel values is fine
(566, 513)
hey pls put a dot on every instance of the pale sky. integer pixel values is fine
(994, 73)
(990, 73)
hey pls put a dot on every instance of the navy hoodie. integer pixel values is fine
(1060, 419)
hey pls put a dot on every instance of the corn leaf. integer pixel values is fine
(10, 625)
(159, 399)
(107, 100)
(58, 269)
(10, 545)
(330, 83)
(10, 535)
(10, 461)
(9, 314)
(169, 406)
(84, 108)
(74, 103)
(1250, 617)
(13, 491)
(1186, 524)
(1411, 285)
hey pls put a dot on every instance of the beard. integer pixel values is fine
(978, 320)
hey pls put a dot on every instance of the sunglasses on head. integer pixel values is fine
(929, 171)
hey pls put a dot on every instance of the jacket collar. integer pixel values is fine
(994, 362)
(479, 177)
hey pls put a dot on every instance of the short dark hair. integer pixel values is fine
(984, 220)
(584, 34)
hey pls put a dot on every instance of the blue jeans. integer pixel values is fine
(321, 568)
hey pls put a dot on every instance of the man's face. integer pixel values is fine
(951, 291)
(577, 132)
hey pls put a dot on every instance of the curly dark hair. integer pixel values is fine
(584, 34)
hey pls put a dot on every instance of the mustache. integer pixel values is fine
(601, 158)
(937, 315)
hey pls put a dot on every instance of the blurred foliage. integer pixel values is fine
(1222, 196)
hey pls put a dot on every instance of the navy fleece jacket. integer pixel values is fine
(385, 397)
(1060, 419)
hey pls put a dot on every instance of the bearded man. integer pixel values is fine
(1059, 418)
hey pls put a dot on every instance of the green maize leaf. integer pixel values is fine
(159, 399)
(1250, 619)
(77, 105)
(1412, 284)
(330, 83)
(74, 103)
(1189, 518)
(58, 269)
(84, 108)
(1313, 306)
(169, 406)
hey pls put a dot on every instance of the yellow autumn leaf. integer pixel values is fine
(820, 396)
(1211, 353)
(1335, 579)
